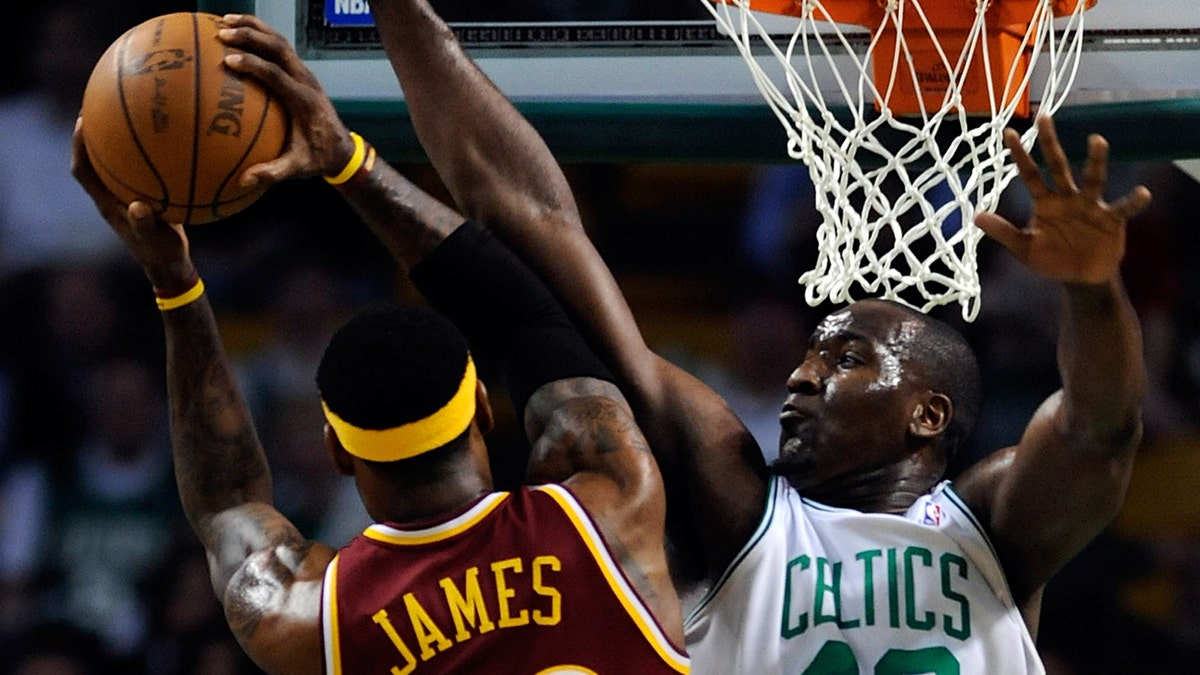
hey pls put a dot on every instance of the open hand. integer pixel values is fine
(1073, 236)
(318, 142)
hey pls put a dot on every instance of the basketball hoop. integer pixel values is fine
(927, 93)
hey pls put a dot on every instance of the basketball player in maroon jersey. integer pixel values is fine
(568, 577)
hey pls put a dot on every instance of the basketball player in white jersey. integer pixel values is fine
(850, 554)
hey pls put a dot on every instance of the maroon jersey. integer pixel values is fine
(519, 583)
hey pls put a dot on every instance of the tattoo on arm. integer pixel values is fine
(219, 462)
(605, 428)
(576, 423)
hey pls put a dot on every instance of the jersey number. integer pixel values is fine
(835, 658)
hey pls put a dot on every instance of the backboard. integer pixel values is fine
(618, 80)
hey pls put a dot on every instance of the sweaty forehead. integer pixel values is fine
(879, 322)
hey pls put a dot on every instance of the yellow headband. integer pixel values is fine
(414, 438)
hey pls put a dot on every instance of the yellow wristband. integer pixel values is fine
(355, 163)
(369, 162)
(187, 297)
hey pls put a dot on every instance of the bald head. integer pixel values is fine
(938, 354)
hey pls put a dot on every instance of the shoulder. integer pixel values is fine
(978, 485)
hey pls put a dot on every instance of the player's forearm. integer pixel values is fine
(219, 462)
(407, 220)
(495, 165)
(1100, 359)
(501, 174)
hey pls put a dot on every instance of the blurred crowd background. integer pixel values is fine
(98, 569)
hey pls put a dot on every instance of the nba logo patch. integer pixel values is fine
(933, 514)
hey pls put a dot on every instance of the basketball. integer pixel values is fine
(166, 123)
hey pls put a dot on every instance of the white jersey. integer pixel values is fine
(821, 590)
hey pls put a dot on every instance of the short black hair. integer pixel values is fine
(392, 365)
(949, 366)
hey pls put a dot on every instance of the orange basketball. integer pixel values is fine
(166, 123)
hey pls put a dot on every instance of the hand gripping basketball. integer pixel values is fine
(168, 124)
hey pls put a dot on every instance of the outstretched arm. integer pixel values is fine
(262, 569)
(1046, 498)
(580, 425)
(501, 174)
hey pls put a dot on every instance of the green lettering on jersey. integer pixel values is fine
(893, 590)
(793, 624)
(936, 660)
(868, 561)
(963, 630)
(911, 554)
(834, 658)
(829, 582)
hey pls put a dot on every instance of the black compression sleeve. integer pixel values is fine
(506, 312)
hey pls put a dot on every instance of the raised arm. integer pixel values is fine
(263, 571)
(501, 174)
(581, 427)
(1046, 498)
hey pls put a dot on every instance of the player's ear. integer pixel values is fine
(484, 416)
(931, 415)
(343, 461)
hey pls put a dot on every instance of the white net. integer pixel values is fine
(898, 193)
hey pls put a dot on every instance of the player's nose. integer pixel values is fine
(807, 378)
